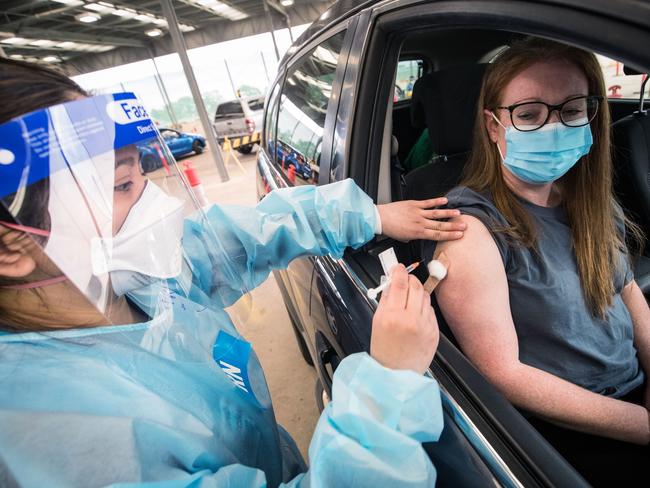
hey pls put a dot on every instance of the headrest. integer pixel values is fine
(629, 70)
(394, 146)
(445, 102)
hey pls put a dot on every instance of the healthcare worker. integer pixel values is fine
(118, 363)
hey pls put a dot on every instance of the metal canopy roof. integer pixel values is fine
(124, 31)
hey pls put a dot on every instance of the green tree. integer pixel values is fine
(185, 109)
(249, 91)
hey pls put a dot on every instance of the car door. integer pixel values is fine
(173, 141)
(185, 143)
(302, 107)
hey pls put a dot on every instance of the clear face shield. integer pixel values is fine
(78, 211)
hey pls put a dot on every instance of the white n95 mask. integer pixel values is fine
(148, 243)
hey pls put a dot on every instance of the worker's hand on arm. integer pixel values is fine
(419, 219)
(404, 329)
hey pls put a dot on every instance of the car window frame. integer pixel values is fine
(271, 112)
(332, 108)
(486, 10)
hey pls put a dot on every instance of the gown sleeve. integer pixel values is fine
(370, 434)
(238, 247)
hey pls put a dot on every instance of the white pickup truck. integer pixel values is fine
(238, 118)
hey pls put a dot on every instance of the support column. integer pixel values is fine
(232, 83)
(266, 70)
(181, 48)
(163, 91)
(288, 22)
(269, 19)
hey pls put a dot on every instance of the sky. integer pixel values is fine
(209, 68)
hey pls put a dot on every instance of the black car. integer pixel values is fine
(341, 75)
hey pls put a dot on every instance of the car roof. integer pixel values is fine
(633, 11)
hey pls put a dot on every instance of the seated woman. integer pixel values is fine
(541, 296)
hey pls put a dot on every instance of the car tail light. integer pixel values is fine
(250, 125)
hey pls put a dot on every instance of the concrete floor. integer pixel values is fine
(267, 325)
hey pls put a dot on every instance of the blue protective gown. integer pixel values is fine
(153, 404)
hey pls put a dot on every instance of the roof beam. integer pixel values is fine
(214, 32)
(54, 35)
(279, 8)
(28, 19)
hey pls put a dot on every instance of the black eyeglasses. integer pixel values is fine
(575, 112)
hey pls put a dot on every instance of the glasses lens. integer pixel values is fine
(579, 111)
(529, 116)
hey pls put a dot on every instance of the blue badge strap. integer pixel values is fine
(40, 143)
(231, 354)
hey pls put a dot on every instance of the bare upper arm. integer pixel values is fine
(474, 300)
(638, 307)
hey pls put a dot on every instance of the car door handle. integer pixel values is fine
(327, 361)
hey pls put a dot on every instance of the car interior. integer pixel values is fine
(443, 103)
(442, 107)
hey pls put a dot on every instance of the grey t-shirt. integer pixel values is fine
(555, 329)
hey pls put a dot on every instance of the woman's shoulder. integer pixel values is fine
(477, 204)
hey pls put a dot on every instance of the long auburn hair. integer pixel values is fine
(586, 188)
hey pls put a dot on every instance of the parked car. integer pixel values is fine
(179, 143)
(336, 86)
(289, 156)
(239, 118)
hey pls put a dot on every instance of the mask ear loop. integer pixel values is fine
(33, 284)
(26, 228)
(496, 143)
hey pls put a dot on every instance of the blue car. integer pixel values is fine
(179, 144)
(292, 157)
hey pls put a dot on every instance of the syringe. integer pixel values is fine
(374, 292)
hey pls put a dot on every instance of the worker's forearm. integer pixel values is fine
(574, 407)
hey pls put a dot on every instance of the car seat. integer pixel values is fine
(445, 103)
(631, 142)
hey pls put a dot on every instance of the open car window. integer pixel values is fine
(408, 72)
(619, 84)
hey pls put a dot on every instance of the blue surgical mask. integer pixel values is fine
(546, 154)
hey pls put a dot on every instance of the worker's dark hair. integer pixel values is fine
(25, 87)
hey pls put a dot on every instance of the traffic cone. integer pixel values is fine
(195, 182)
(292, 174)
